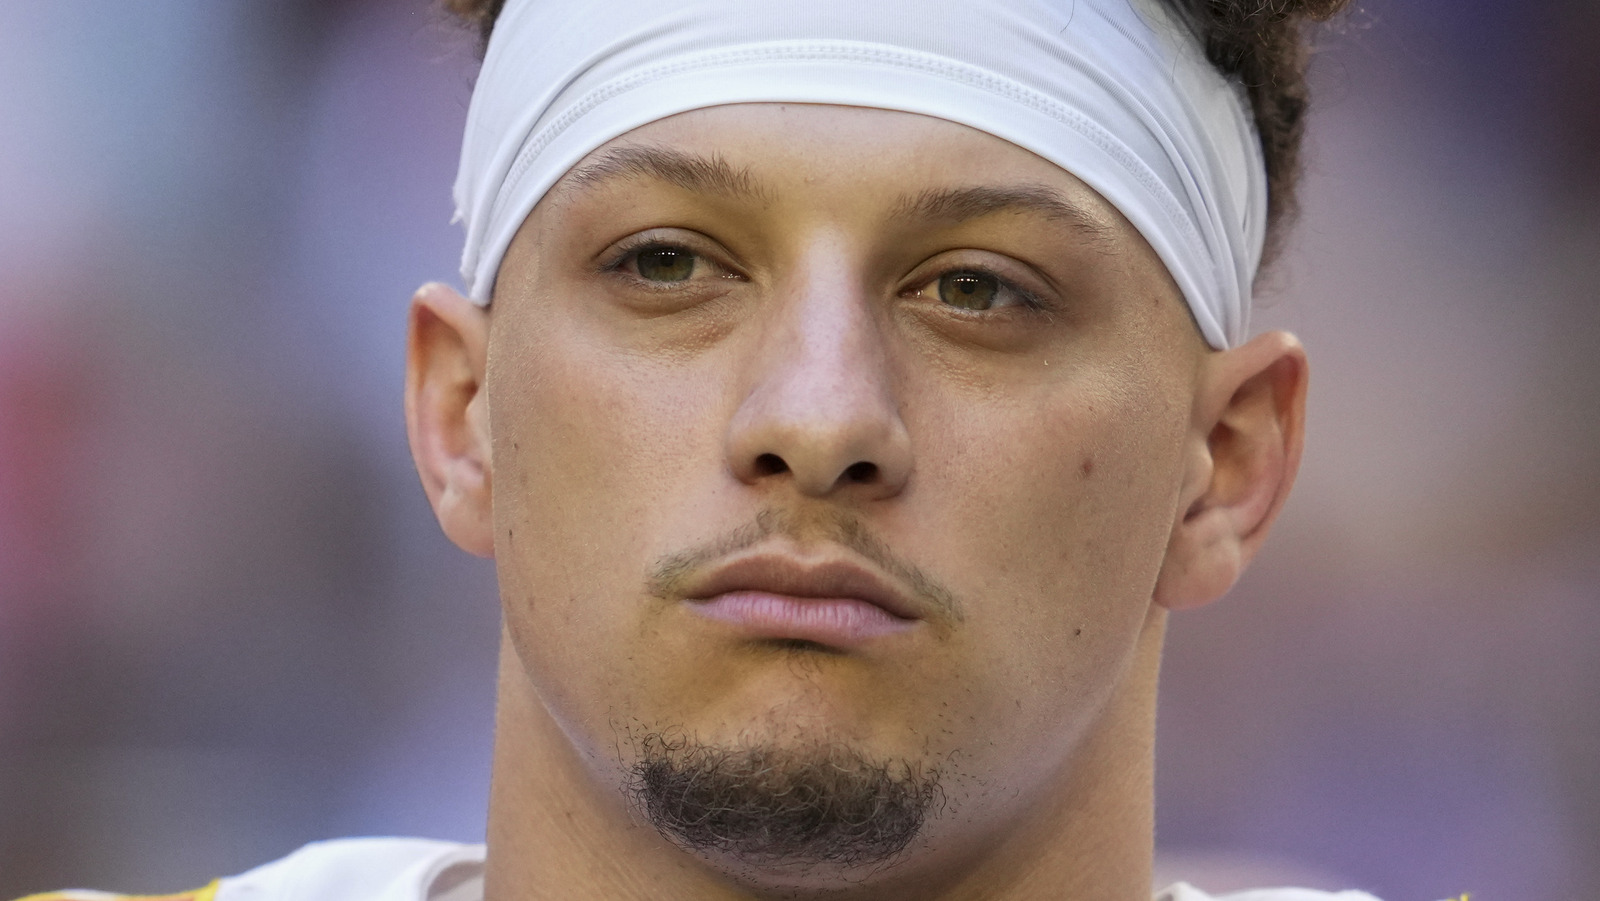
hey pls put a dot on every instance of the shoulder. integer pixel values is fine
(1185, 892)
(351, 869)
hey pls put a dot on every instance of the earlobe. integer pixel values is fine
(447, 413)
(1245, 445)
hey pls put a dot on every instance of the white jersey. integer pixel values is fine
(414, 869)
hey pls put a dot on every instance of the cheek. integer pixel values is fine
(1053, 514)
(592, 449)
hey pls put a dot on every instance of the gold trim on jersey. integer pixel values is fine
(209, 893)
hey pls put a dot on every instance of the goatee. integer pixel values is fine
(765, 806)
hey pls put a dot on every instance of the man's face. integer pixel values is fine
(822, 431)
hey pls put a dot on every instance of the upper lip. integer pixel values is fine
(824, 577)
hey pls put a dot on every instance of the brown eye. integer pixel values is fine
(665, 264)
(968, 290)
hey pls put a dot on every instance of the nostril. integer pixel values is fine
(770, 465)
(861, 472)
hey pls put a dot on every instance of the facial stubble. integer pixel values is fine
(767, 806)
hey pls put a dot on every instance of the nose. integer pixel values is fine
(821, 410)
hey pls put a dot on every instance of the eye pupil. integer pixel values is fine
(968, 290)
(665, 264)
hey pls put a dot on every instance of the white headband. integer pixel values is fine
(1117, 92)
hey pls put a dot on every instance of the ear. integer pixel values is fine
(447, 413)
(1245, 444)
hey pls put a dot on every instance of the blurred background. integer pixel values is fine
(229, 625)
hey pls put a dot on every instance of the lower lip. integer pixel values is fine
(837, 622)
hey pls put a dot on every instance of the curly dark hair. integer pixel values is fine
(1262, 43)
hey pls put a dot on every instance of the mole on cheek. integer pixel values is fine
(1087, 467)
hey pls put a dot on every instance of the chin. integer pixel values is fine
(797, 808)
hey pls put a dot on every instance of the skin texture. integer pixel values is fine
(1057, 472)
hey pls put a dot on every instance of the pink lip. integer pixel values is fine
(831, 601)
(837, 622)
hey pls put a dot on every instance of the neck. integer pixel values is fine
(561, 828)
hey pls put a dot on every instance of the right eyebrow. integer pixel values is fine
(700, 174)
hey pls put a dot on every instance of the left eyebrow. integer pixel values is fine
(957, 205)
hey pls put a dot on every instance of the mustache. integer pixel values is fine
(669, 573)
